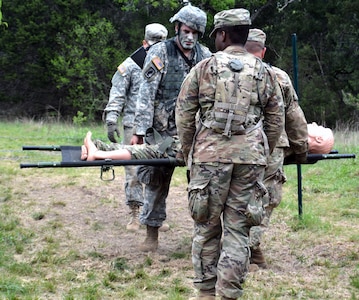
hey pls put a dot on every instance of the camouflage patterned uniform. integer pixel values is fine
(122, 102)
(163, 75)
(294, 136)
(143, 151)
(226, 171)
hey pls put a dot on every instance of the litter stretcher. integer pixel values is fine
(71, 158)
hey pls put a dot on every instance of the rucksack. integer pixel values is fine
(235, 77)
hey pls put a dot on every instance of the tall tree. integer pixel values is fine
(327, 54)
(58, 56)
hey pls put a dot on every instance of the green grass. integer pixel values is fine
(312, 257)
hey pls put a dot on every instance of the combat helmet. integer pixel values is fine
(192, 16)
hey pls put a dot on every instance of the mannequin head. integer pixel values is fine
(320, 139)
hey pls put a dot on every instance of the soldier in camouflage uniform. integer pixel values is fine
(122, 103)
(294, 136)
(166, 65)
(226, 146)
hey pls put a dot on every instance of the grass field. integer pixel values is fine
(62, 231)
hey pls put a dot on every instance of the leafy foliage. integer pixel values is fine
(1, 21)
(58, 56)
(81, 62)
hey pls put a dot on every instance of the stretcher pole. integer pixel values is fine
(295, 83)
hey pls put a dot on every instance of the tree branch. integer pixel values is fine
(286, 3)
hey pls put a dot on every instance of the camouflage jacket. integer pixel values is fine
(123, 94)
(197, 95)
(295, 134)
(151, 111)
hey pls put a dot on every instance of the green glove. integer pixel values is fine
(111, 130)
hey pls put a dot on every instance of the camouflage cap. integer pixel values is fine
(257, 35)
(231, 17)
(191, 16)
(155, 32)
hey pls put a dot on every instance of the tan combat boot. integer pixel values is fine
(165, 227)
(134, 223)
(257, 258)
(151, 242)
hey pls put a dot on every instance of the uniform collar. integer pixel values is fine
(232, 49)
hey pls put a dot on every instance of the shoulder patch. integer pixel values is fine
(157, 63)
(149, 72)
(121, 68)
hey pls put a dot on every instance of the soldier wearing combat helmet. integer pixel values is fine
(193, 17)
(166, 65)
(122, 103)
(240, 109)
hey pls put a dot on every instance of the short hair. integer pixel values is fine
(238, 34)
(253, 47)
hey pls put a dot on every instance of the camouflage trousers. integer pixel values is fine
(153, 212)
(133, 188)
(225, 200)
(273, 180)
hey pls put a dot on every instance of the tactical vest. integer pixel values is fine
(153, 137)
(171, 84)
(234, 112)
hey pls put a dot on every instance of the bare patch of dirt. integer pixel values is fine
(92, 214)
(88, 217)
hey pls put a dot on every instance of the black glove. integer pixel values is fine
(300, 158)
(111, 129)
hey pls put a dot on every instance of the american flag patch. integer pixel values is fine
(121, 68)
(158, 63)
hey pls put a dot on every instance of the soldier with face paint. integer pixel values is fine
(122, 105)
(166, 65)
